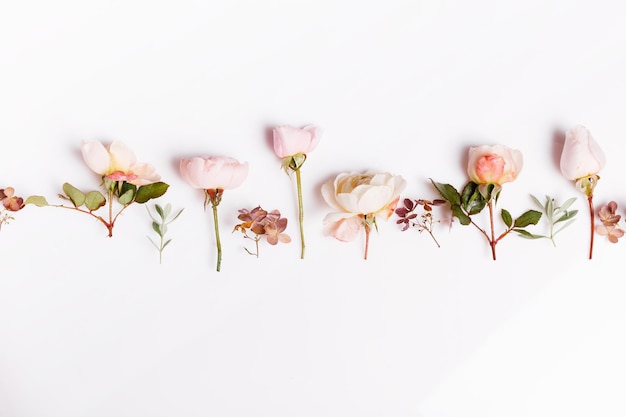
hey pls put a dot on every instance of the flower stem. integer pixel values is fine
(217, 239)
(492, 241)
(367, 240)
(591, 215)
(300, 211)
(111, 221)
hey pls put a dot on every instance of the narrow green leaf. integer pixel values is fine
(528, 235)
(176, 216)
(537, 202)
(506, 217)
(568, 203)
(154, 244)
(568, 215)
(563, 227)
(94, 200)
(167, 210)
(157, 228)
(36, 200)
(150, 191)
(76, 196)
(448, 192)
(528, 218)
(159, 211)
(166, 243)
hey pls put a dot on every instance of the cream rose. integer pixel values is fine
(117, 163)
(359, 200)
(581, 156)
(493, 164)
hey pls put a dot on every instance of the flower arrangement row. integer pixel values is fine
(359, 200)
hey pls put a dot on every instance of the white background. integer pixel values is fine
(92, 326)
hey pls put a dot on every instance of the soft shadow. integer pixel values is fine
(558, 140)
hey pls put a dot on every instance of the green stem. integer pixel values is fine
(217, 238)
(300, 211)
(591, 214)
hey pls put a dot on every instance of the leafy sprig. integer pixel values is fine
(160, 221)
(89, 202)
(555, 215)
(473, 199)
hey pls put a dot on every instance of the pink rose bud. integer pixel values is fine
(493, 164)
(581, 156)
(290, 141)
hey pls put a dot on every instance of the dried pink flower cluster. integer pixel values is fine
(610, 220)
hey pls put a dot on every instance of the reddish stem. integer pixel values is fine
(492, 241)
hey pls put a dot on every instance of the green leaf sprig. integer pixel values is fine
(160, 221)
(555, 215)
(473, 199)
(89, 202)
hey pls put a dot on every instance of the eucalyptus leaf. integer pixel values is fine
(159, 211)
(36, 200)
(127, 197)
(528, 235)
(94, 200)
(76, 196)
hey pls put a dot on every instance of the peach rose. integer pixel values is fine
(493, 164)
(117, 163)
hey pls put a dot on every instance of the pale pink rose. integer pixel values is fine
(493, 164)
(356, 196)
(213, 172)
(117, 163)
(290, 141)
(581, 156)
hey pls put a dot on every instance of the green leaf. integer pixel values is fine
(150, 191)
(159, 211)
(528, 218)
(472, 200)
(458, 212)
(157, 228)
(167, 210)
(568, 215)
(37, 200)
(176, 216)
(127, 197)
(506, 217)
(166, 243)
(94, 200)
(126, 186)
(76, 196)
(537, 202)
(448, 192)
(568, 203)
(528, 235)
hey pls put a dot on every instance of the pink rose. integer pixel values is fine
(117, 163)
(213, 172)
(493, 164)
(581, 156)
(290, 141)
